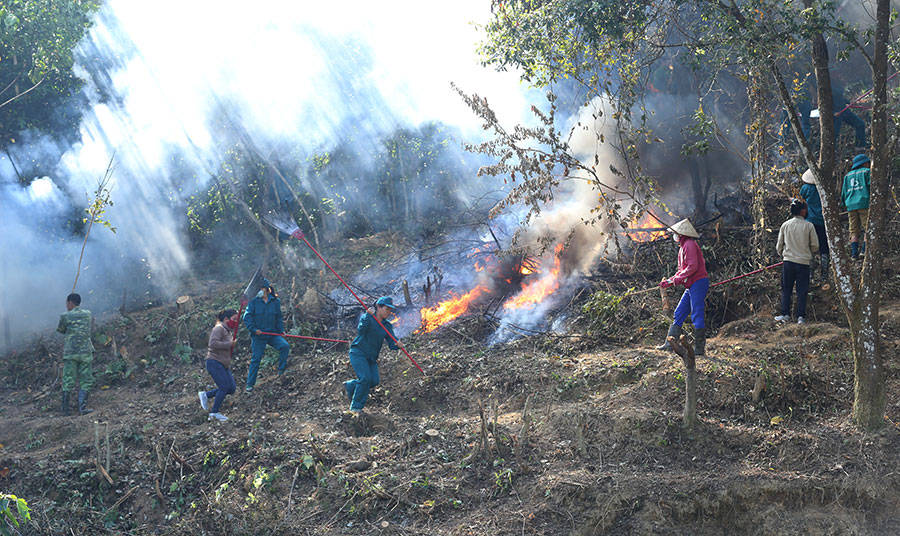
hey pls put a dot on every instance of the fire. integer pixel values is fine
(440, 314)
(537, 290)
(644, 221)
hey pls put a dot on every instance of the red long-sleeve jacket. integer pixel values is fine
(691, 266)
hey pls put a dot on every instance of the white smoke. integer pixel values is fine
(296, 73)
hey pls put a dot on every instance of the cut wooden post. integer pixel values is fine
(406, 295)
(579, 434)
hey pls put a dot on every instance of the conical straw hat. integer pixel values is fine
(808, 177)
(684, 228)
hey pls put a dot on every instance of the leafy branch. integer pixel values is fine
(96, 211)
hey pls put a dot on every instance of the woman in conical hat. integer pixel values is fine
(692, 274)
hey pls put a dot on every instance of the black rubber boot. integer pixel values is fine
(65, 403)
(82, 403)
(699, 342)
(674, 331)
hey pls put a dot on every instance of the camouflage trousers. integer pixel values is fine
(77, 367)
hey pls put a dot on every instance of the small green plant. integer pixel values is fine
(183, 352)
(34, 441)
(503, 481)
(11, 520)
(154, 336)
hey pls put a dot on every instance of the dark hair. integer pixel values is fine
(797, 207)
(74, 298)
(227, 313)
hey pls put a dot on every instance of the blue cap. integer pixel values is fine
(859, 160)
(386, 301)
(264, 283)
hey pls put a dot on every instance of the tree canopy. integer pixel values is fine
(37, 43)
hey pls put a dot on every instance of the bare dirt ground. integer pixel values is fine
(600, 449)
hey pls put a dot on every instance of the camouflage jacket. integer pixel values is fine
(76, 325)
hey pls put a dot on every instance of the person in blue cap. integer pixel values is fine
(364, 351)
(263, 315)
(855, 196)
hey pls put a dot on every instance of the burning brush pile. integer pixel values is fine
(519, 294)
(517, 291)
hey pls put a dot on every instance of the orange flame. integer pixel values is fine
(643, 221)
(440, 314)
(535, 291)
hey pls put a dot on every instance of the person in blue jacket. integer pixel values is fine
(810, 194)
(364, 351)
(264, 315)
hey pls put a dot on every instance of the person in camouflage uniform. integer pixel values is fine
(78, 352)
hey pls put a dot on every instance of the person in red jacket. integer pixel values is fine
(692, 274)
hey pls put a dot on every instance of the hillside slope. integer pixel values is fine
(603, 453)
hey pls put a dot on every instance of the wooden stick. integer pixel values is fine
(121, 499)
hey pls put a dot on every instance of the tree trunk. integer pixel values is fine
(868, 388)
(758, 167)
(868, 372)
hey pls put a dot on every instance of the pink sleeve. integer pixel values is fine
(691, 262)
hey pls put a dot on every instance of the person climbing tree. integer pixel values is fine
(364, 351)
(78, 352)
(218, 363)
(692, 274)
(264, 315)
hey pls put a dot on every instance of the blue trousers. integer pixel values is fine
(258, 347)
(366, 378)
(693, 303)
(859, 126)
(224, 382)
(793, 274)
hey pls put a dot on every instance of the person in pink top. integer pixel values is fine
(692, 274)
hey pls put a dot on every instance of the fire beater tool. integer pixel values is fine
(720, 282)
(248, 294)
(303, 337)
(287, 225)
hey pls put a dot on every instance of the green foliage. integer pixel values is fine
(37, 39)
(601, 308)
(183, 353)
(10, 518)
(699, 133)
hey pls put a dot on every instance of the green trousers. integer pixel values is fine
(77, 367)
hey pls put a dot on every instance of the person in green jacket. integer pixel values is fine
(364, 351)
(855, 196)
(78, 352)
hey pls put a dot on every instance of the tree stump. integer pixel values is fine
(184, 304)
(406, 295)
(683, 348)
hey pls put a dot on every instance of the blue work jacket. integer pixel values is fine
(370, 337)
(264, 316)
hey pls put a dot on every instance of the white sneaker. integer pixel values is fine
(218, 416)
(801, 320)
(204, 400)
(782, 318)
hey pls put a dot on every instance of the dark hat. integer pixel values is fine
(859, 161)
(386, 301)
(264, 283)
